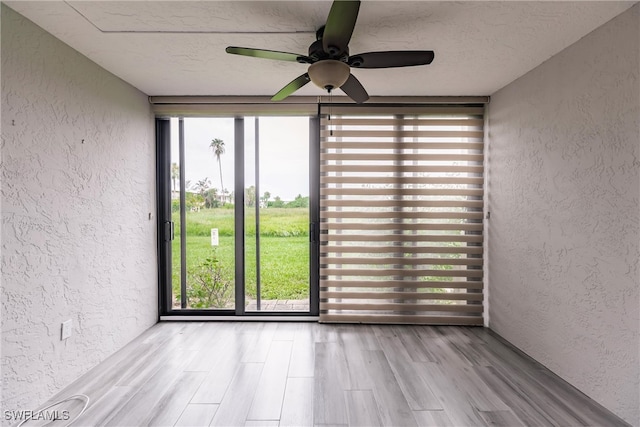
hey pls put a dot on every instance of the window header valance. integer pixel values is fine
(232, 106)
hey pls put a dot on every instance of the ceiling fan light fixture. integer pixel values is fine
(329, 73)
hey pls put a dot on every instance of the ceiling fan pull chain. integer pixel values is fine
(330, 127)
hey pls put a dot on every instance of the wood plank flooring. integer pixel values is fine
(309, 374)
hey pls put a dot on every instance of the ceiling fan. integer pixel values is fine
(329, 57)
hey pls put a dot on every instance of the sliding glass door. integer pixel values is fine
(235, 215)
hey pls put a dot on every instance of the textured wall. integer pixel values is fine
(564, 230)
(77, 239)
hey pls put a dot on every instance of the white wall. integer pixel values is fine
(564, 200)
(77, 240)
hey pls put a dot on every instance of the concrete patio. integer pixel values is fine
(279, 305)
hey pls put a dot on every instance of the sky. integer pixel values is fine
(284, 153)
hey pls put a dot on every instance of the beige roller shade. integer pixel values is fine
(401, 202)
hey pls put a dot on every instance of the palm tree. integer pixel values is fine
(175, 174)
(202, 186)
(217, 145)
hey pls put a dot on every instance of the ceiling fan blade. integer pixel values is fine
(269, 54)
(354, 89)
(291, 87)
(339, 27)
(390, 59)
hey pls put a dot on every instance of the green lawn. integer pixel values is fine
(284, 250)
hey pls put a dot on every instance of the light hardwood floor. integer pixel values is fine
(299, 374)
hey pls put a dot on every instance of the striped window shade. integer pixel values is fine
(401, 214)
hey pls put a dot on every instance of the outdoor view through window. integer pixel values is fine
(276, 220)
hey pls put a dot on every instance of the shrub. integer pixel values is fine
(209, 286)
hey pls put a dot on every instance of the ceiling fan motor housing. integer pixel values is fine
(317, 52)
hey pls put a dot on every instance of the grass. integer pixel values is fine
(284, 249)
(274, 222)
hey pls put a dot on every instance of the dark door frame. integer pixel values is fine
(165, 230)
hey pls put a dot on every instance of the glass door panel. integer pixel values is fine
(202, 209)
(277, 214)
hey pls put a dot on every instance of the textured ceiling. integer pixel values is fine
(177, 47)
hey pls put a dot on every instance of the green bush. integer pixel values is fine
(208, 285)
